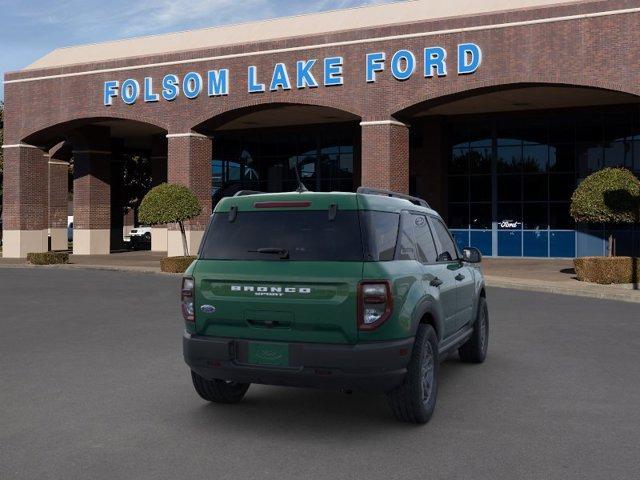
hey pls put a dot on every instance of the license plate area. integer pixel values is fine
(268, 354)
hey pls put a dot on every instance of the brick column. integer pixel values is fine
(59, 157)
(189, 164)
(158, 175)
(24, 213)
(92, 192)
(58, 193)
(385, 155)
(427, 164)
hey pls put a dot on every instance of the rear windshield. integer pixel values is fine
(304, 235)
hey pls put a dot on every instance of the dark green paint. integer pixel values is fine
(327, 311)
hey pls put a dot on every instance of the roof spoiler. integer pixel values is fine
(244, 193)
(389, 193)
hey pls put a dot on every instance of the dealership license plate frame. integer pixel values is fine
(267, 354)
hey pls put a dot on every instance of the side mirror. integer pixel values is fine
(471, 255)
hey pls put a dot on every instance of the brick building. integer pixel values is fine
(492, 111)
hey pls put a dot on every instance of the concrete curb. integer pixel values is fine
(602, 292)
(113, 268)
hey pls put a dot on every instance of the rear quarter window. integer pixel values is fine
(382, 234)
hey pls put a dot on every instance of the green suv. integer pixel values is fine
(357, 291)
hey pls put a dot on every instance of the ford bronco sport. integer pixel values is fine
(358, 291)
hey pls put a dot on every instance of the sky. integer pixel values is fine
(31, 28)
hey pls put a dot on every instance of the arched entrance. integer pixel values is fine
(267, 148)
(501, 164)
(113, 163)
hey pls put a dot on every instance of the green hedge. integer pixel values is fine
(48, 258)
(175, 264)
(607, 270)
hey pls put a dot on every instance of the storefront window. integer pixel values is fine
(267, 160)
(514, 175)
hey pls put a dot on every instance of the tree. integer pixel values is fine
(136, 182)
(168, 203)
(611, 195)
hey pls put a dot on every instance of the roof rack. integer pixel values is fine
(389, 193)
(244, 193)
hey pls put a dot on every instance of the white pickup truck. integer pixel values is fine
(138, 237)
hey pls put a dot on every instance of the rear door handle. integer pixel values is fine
(436, 282)
(460, 277)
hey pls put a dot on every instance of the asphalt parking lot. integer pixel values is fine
(92, 386)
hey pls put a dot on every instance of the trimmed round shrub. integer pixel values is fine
(611, 195)
(168, 203)
(608, 270)
(48, 258)
(175, 264)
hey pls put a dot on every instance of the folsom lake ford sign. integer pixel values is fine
(310, 73)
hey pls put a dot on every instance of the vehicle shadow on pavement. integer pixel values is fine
(292, 411)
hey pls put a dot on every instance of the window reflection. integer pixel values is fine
(532, 164)
(267, 160)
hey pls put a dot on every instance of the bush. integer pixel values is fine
(611, 195)
(48, 258)
(175, 264)
(607, 270)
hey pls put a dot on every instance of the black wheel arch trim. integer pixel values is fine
(427, 307)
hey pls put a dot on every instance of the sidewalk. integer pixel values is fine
(554, 276)
(136, 261)
(542, 275)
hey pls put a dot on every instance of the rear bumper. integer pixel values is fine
(374, 367)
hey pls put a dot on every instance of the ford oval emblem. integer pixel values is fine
(207, 309)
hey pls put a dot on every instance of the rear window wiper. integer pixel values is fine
(283, 252)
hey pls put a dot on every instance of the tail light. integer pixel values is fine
(187, 299)
(375, 303)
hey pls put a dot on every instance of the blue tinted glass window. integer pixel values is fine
(510, 244)
(461, 237)
(535, 158)
(562, 244)
(459, 161)
(480, 160)
(535, 244)
(510, 159)
(618, 154)
(482, 240)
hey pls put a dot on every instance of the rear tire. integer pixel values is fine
(415, 400)
(219, 391)
(475, 349)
